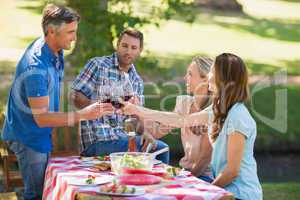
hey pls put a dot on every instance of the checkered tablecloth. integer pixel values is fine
(61, 170)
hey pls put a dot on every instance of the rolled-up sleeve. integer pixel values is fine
(86, 81)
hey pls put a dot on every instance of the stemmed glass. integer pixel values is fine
(111, 91)
(106, 93)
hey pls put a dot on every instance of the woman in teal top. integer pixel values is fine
(231, 128)
(237, 137)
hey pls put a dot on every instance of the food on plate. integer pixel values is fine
(90, 179)
(131, 161)
(117, 188)
(173, 171)
(138, 179)
(103, 166)
(102, 158)
(83, 157)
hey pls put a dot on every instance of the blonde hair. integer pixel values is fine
(203, 63)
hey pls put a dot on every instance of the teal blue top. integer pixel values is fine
(246, 185)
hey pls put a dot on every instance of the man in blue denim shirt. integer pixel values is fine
(34, 98)
(106, 135)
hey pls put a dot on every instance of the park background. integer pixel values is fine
(265, 33)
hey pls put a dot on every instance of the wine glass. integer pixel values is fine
(105, 95)
(128, 88)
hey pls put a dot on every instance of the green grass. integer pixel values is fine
(270, 137)
(18, 25)
(281, 191)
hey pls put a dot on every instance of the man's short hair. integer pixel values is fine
(57, 15)
(133, 33)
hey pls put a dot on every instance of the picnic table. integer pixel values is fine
(62, 171)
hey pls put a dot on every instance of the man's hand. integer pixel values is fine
(146, 139)
(134, 100)
(95, 110)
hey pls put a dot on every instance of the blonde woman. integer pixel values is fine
(196, 153)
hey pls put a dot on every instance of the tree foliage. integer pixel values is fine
(103, 20)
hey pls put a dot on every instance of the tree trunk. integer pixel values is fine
(231, 5)
(94, 31)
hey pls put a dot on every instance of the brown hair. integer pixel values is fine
(57, 15)
(231, 80)
(133, 33)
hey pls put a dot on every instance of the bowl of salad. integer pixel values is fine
(132, 160)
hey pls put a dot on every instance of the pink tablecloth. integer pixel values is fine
(61, 170)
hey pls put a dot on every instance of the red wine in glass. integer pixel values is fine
(106, 100)
(115, 102)
(126, 98)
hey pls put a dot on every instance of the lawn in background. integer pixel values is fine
(281, 191)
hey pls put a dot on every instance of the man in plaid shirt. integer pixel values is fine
(105, 135)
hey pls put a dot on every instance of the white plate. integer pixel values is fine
(138, 191)
(157, 162)
(82, 181)
(93, 162)
(184, 173)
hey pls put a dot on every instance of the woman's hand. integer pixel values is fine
(184, 163)
(134, 100)
(127, 108)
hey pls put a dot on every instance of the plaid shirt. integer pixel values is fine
(95, 74)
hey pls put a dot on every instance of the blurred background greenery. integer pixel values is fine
(265, 33)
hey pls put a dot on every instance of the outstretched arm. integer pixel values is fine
(39, 106)
(168, 118)
(156, 129)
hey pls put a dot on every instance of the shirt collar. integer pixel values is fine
(116, 62)
(49, 53)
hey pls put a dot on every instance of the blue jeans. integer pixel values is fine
(206, 179)
(121, 145)
(32, 165)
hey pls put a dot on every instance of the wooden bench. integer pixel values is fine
(11, 176)
(8, 196)
(65, 143)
